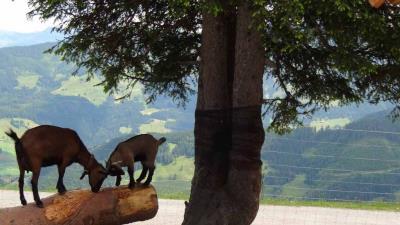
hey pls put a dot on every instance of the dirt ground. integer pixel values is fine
(171, 213)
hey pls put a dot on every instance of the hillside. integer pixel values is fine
(359, 162)
(356, 163)
(38, 88)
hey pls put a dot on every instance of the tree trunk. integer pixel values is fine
(111, 206)
(228, 128)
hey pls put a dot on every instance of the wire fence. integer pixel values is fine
(312, 176)
(362, 181)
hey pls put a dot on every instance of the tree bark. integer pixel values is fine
(111, 206)
(247, 129)
(228, 128)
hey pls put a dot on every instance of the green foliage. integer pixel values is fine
(155, 43)
(329, 51)
(318, 52)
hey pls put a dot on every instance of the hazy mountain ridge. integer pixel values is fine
(8, 38)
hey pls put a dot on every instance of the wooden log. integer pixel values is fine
(379, 3)
(395, 2)
(376, 3)
(111, 206)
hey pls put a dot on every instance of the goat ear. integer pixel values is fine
(85, 172)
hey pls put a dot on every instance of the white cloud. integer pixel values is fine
(13, 17)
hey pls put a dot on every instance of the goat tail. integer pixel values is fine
(161, 140)
(13, 135)
(18, 144)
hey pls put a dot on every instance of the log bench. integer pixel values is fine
(111, 206)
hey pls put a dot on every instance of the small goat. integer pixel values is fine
(49, 145)
(141, 148)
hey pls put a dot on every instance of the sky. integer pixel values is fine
(13, 18)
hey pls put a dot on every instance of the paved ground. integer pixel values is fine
(171, 213)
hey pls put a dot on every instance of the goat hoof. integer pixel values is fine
(146, 183)
(39, 204)
(62, 191)
(131, 185)
(23, 202)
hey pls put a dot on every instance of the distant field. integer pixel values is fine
(154, 126)
(78, 86)
(329, 123)
(27, 81)
(149, 111)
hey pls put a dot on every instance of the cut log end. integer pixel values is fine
(118, 205)
(376, 3)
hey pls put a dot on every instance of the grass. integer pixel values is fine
(168, 189)
(379, 206)
(384, 206)
(298, 181)
(171, 147)
(182, 167)
(155, 126)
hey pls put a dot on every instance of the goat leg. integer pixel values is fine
(60, 184)
(21, 186)
(150, 177)
(131, 178)
(34, 182)
(118, 180)
(143, 174)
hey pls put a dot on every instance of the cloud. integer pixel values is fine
(13, 18)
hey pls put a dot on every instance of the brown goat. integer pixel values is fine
(141, 148)
(46, 145)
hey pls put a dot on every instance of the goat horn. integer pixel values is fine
(85, 172)
(116, 163)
